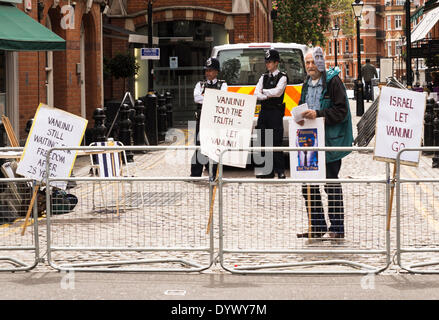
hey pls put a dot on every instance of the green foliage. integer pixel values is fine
(302, 21)
(343, 10)
(306, 21)
(123, 66)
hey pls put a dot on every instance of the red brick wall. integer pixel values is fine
(67, 89)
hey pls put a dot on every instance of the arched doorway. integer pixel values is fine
(188, 43)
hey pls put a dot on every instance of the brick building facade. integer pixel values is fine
(70, 80)
(382, 36)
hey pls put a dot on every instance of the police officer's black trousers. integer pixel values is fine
(270, 124)
(199, 160)
(335, 202)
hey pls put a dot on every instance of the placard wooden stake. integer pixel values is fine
(389, 210)
(29, 210)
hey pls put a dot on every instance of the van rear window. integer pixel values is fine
(245, 66)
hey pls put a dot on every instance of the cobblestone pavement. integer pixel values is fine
(161, 225)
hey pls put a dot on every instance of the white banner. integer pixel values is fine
(400, 121)
(307, 164)
(226, 122)
(51, 128)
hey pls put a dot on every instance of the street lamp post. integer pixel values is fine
(408, 57)
(357, 7)
(335, 31)
(150, 70)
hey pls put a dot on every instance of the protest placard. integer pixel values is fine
(226, 123)
(307, 164)
(399, 125)
(51, 128)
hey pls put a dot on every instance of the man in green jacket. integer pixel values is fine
(326, 97)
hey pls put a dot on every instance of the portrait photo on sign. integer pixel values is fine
(307, 160)
(307, 163)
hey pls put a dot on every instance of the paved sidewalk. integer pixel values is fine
(146, 286)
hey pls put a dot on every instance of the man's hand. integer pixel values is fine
(309, 114)
(301, 123)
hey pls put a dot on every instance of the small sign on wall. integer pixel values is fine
(173, 62)
(150, 54)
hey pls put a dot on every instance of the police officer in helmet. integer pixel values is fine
(211, 69)
(270, 92)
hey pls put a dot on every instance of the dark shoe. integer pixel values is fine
(336, 235)
(281, 175)
(314, 234)
(265, 176)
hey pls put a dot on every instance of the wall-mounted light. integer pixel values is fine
(40, 10)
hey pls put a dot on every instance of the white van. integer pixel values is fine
(243, 64)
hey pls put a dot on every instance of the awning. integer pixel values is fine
(19, 32)
(427, 23)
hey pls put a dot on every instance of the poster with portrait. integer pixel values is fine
(307, 164)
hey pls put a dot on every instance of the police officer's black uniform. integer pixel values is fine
(199, 160)
(271, 117)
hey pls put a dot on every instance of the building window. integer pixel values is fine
(361, 45)
(398, 22)
(330, 48)
(338, 47)
(346, 70)
(389, 22)
(400, 2)
(389, 49)
(346, 45)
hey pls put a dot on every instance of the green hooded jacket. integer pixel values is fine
(334, 106)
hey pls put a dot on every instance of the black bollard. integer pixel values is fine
(99, 129)
(436, 135)
(428, 126)
(162, 121)
(3, 135)
(150, 102)
(169, 116)
(139, 124)
(125, 131)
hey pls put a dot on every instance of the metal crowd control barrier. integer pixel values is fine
(417, 210)
(18, 251)
(168, 228)
(259, 219)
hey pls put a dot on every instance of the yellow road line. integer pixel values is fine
(418, 205)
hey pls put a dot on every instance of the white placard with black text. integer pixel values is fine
(51, 128)
(226, 123)
(400, 121)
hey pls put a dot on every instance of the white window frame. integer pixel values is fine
(398, 22)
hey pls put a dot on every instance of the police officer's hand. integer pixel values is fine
(309, 114)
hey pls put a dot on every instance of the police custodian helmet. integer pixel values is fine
(272, 55)
(212, 63)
